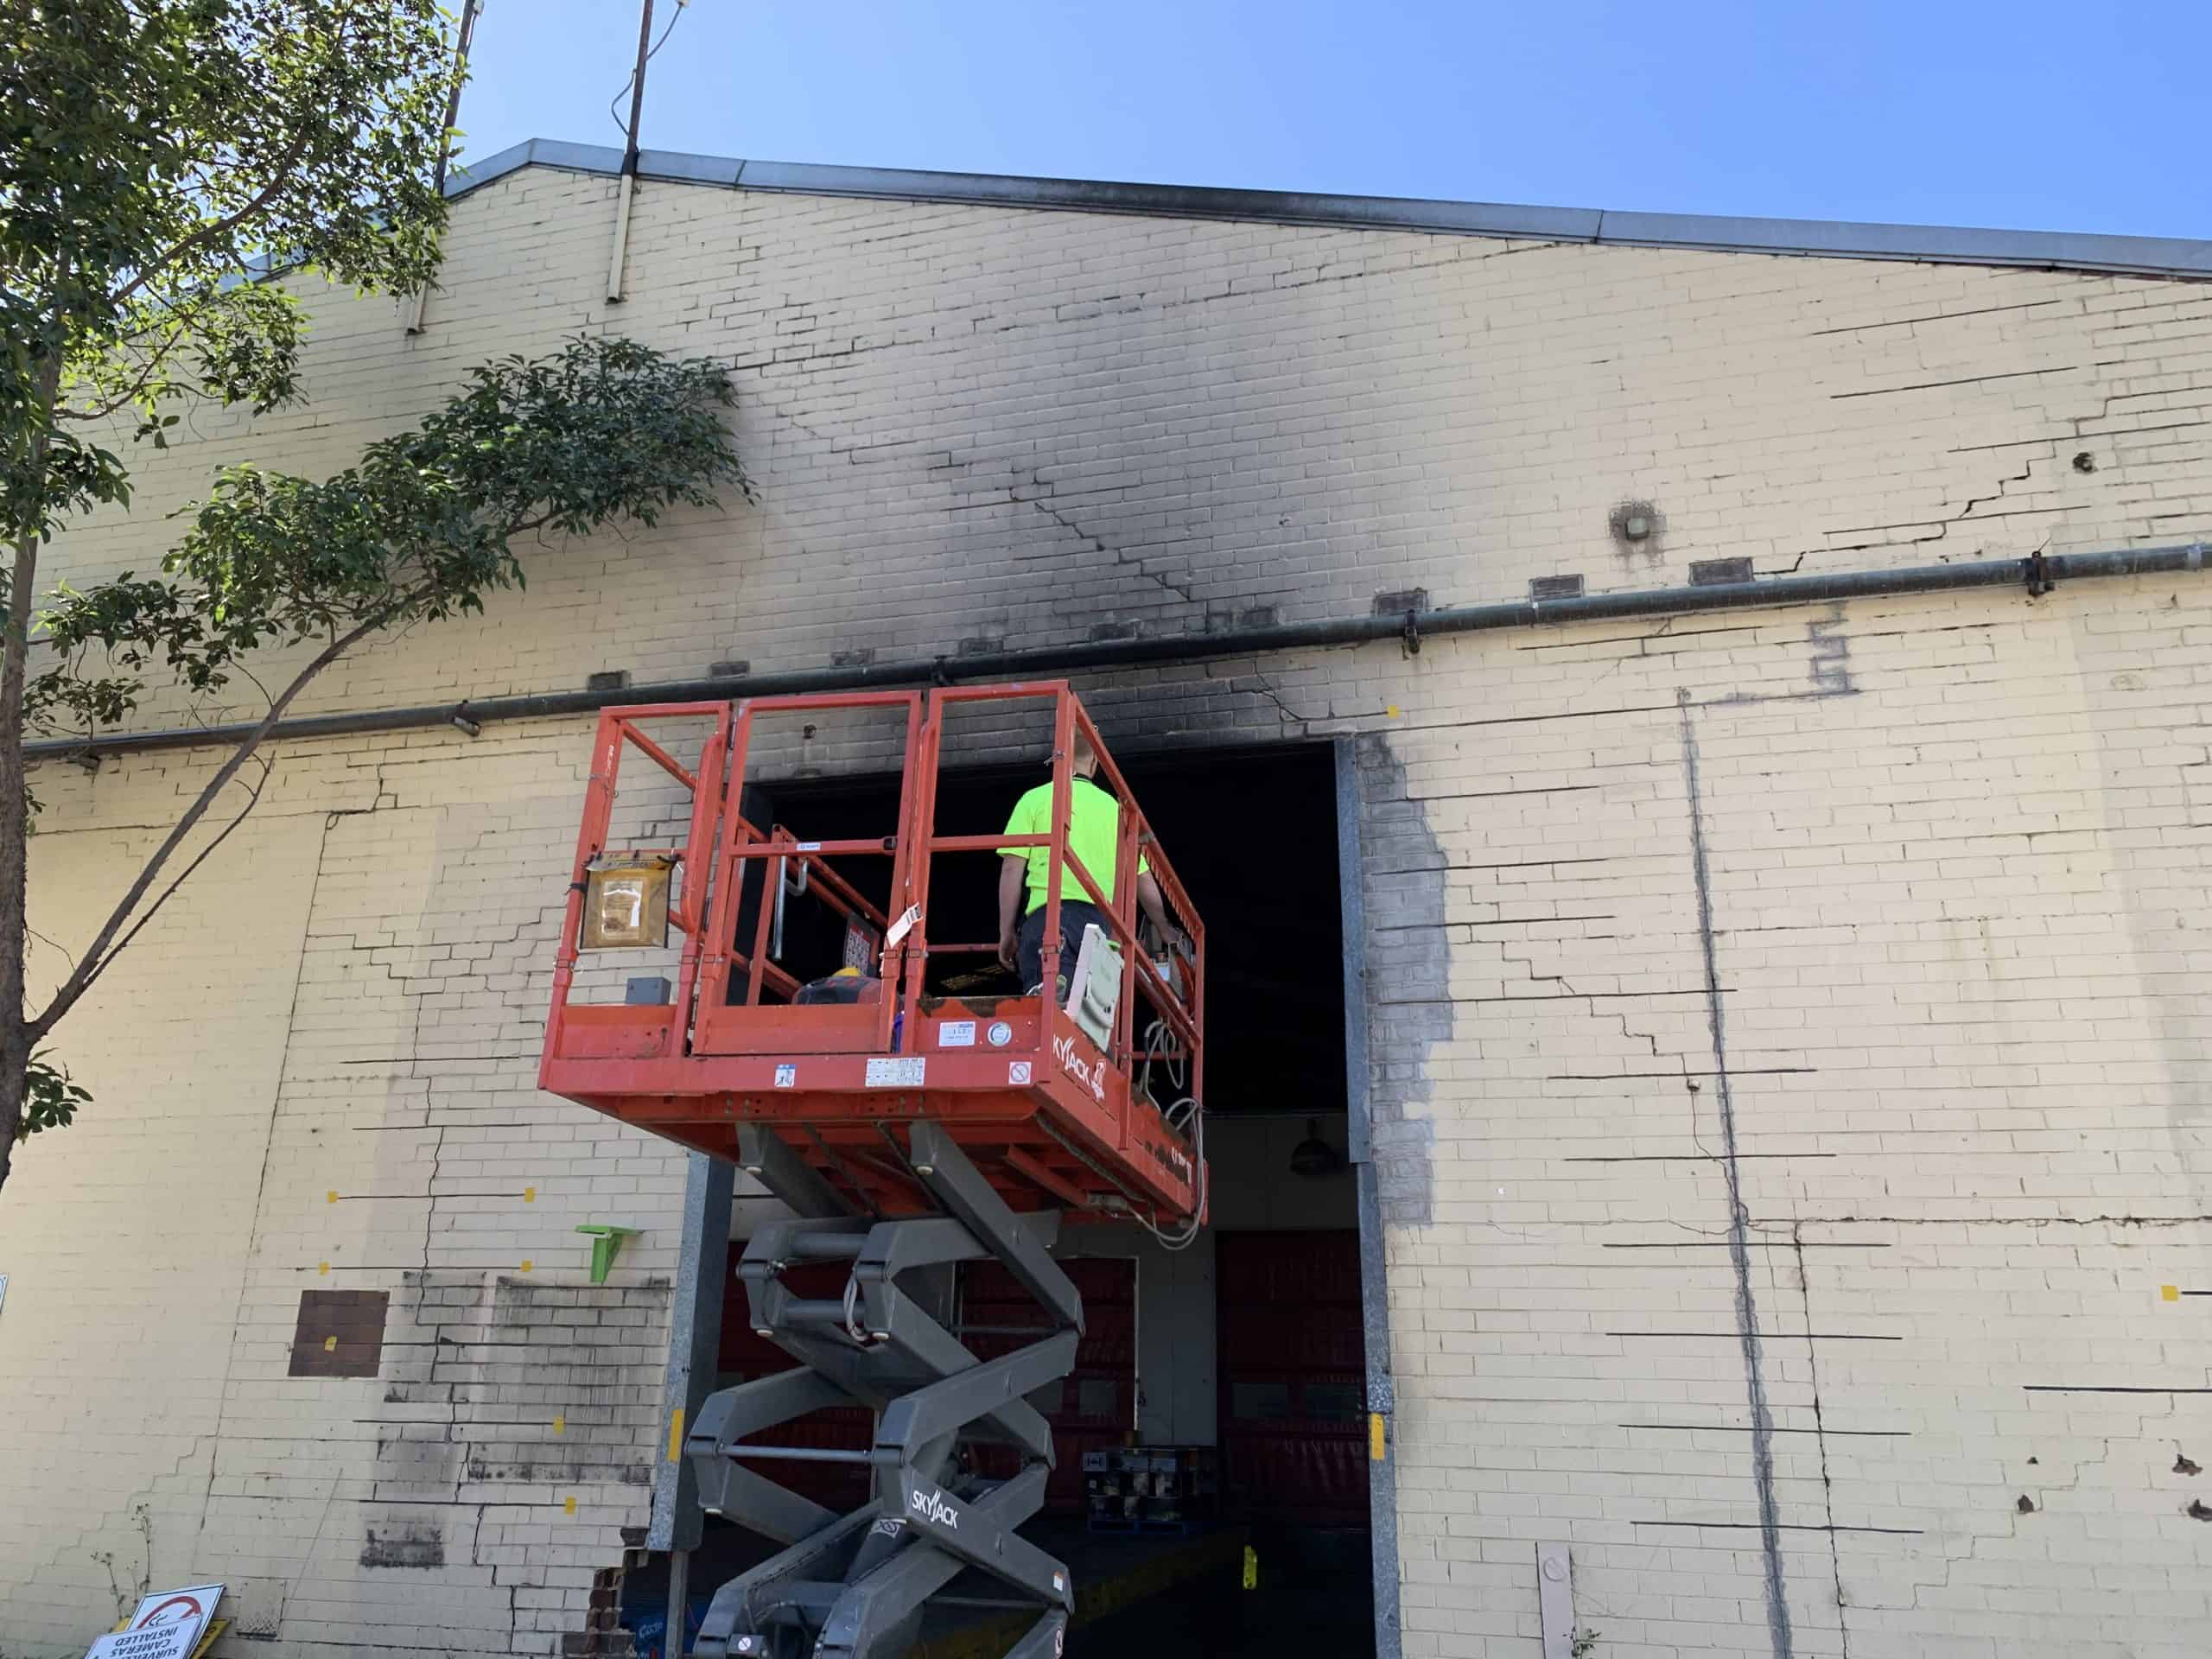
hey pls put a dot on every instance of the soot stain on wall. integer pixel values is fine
(1408, 965)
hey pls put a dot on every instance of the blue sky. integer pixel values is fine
(2089, 115)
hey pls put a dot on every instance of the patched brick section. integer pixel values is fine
(341, 1334)
(543, 1383)
(602, 1636)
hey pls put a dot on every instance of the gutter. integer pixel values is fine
(2035, 575)
(2138, 256)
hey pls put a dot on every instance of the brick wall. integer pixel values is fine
(1903, 900)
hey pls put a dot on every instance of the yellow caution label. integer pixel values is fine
(331, 1196)
(323, 1267)
(1251, 1567)
(1378, 1437)
(530, 1195)
(568, 1508)
(560, 1424)
(527, 1264)
(675, 1434)
(2169, 1292)
(330, 1345)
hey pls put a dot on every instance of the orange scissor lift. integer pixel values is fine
(908, 1129)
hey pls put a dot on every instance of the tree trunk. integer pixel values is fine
(15, 816)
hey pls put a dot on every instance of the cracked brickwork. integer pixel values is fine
(1934, 918)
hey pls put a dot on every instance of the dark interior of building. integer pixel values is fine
(1255, 1334)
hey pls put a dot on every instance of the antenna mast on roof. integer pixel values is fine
(646, 47)
(467, 32)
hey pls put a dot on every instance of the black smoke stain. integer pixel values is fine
(1739, 1254)
(1409, 967)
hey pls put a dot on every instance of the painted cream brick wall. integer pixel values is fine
(1027, 426)
(1956, 874)
(1954, 882)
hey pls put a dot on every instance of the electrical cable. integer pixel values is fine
(631, 78)
(1187, 1118)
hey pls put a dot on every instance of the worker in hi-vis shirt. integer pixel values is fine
(1094, 826)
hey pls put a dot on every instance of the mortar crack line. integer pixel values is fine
(1821, 1436)
(1284, 713)
(261, 1184)
(1739, 1254)
(1125, 561)
(1588, 999)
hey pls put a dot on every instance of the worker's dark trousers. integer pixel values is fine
(1029, 943)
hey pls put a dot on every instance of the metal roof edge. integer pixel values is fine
(1820, 239)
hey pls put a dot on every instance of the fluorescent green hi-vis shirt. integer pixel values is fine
(1094, 824)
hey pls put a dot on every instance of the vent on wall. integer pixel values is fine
(1714, 573)
(1556, 587)
(1399, 601)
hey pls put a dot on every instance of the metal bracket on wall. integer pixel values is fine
(605, 1245)
(1555, 1599)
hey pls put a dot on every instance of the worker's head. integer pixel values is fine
(1084, 760)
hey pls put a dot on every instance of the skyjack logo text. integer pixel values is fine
(1091, 1076)
(933, 1508)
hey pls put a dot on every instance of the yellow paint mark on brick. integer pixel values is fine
(676, 1435)
(530, 1195)
(527, 1264)
(323, 1267)
(1376, 1437)
(331, 1196)
(568, 1508)
(561, 1424)
(2169, 1292)
(1391, 710)
(330, 1345)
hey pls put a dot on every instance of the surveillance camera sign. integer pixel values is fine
(166, 1625)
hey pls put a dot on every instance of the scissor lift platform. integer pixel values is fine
(908, 1131)
(1050, 1115)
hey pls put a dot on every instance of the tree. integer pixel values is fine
(159, 160)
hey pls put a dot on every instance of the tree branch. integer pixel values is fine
(16, 1041)
(252, 800)
(228, 223)
(157, 356)
(102, 947)
(51, 945)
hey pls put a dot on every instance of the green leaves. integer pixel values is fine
(424, 527)
(53, 1099)
(157, 157)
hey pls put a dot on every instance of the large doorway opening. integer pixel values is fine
(1237, 1364)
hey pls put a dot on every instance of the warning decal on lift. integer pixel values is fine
(899, 1071)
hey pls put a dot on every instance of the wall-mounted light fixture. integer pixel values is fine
(1314, 1159)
